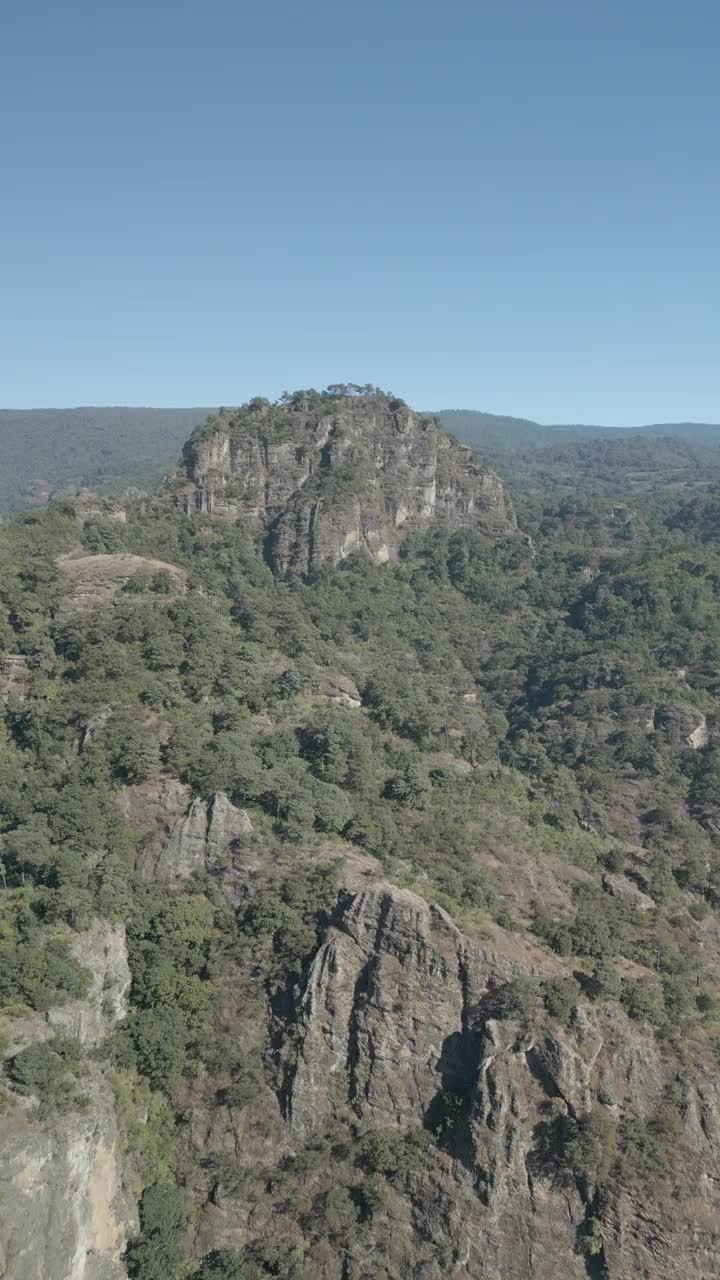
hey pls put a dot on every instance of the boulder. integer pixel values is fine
(338, 689)
(620, 886)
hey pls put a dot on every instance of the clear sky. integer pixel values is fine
(509, 205)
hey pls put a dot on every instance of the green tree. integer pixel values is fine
(158, 1253)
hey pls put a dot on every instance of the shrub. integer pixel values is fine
(517, 999)
(48, 1071)
(605, 981)
(392, 1153)
(642, 999)
(560, 997)
(227, 1264)
(41, 974)
(591, 1145)
(158, 1252)
(341, 1213)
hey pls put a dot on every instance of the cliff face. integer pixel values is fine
(395, 1026)
(182, 836)
(64, 1215)
(65, 1212)
(340, 476)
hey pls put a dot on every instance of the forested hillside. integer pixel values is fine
(616, 462)
(362, 922)
(47, 450)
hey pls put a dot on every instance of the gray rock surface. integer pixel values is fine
(95, 581)
(65, 1212)
(338, 688)
(355, 476)
(396, 1012)
(14, 675)
(682, 724)
(185, 835)
(619, 886)
(102, 951)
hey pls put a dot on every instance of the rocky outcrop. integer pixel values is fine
(338, 689)
(682, 725)
(102, 951)
(14, 675)
(93, 725)
(65, 1213)
(619, 886)
(395, 1017)
(185, 835)
(334, 476)
(382, 997)
(86, 506)
(95, 581)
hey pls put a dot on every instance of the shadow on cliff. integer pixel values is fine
(448, 1115)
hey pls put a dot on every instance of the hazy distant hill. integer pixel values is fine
(502, 432)
(106, 448)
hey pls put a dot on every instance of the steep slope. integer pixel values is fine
(327, 476)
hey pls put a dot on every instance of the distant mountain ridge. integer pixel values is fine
(110, 448)
(475, 427)
(44, 451)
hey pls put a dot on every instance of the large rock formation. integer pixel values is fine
(64, 1212)
(395, 1017)
(329, 476)
(102, 951)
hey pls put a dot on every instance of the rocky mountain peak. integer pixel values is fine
(330, 474)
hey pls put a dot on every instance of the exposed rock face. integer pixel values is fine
(185, 835)
(619, 886)
(338, 689)
(14, 675)
(92, 726)
(87, 506)
(682, 724)
(395, 1014)
(103, 952)
(65, 1213)
(352, 475)
(384, 990)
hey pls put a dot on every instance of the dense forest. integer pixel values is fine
(522, 732)
(46, 451)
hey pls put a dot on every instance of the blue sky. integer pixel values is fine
(509, 205)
